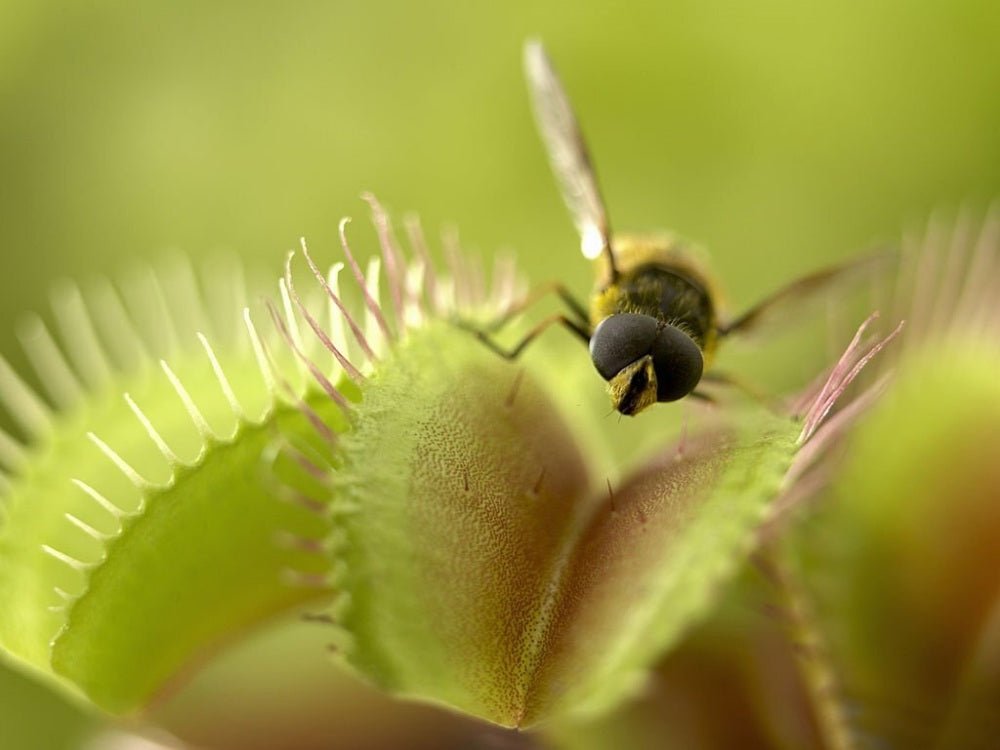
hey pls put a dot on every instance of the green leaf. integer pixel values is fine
(202, 562)
(33, 717)
(651, 563)
(485, 568)
(732, 681)
(904, 562)
(451, 501)
(135, 541)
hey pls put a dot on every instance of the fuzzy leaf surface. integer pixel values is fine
(485, 568)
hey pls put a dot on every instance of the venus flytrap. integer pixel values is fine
(482, 564)
(910, 618)
(443, 497)
(139, 521)
(756, 670)
(869, 617)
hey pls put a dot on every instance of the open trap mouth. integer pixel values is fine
(349, 444)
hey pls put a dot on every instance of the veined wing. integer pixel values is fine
(782, 302)
(567, 152)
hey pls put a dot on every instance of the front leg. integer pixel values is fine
(578, 311)
(583, 333)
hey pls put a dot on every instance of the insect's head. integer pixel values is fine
(644, 361)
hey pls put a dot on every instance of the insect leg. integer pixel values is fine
(513, 353)
(556, 287)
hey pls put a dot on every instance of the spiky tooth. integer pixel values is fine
(303, 579)
(984, 307)
(291, 541)
(12, 453)
(65, 601)
(374, 332)
(418, 243)
(818, 441)
(291, 322)
(979, 279)
(951, 275)
(54, 372)
(342, 362)
(840, 380)
(455, 260)
(446, 294)
(300, 499)
(504, 282)
(850, 376)
(370, 303)
(62, 557)
(27, 408)
(476, 279)
(926, 273)
(391, 257)
(306, 463)
(319, 426)
(78, 331)
(186, 302)
(86, 528)
(200, 423)
(843, 365)
(237, 278)
(310, 366)
(413, 313)
(224, 384)
(334, 297)
(137, 480)
(117, 513)
(123, 339)
(338, 334)
(165, 328)
(260, 354)
(165, 450)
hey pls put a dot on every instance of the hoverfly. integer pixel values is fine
(653, 325)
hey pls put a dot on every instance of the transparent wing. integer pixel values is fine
(784, 303)
(567, 152)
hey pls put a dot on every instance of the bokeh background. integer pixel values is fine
(779, 134)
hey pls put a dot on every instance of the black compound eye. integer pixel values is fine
(620, 340)
(678, 363)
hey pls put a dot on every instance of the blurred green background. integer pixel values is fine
(779, 134)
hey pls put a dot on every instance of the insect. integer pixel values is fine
(653, 324)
